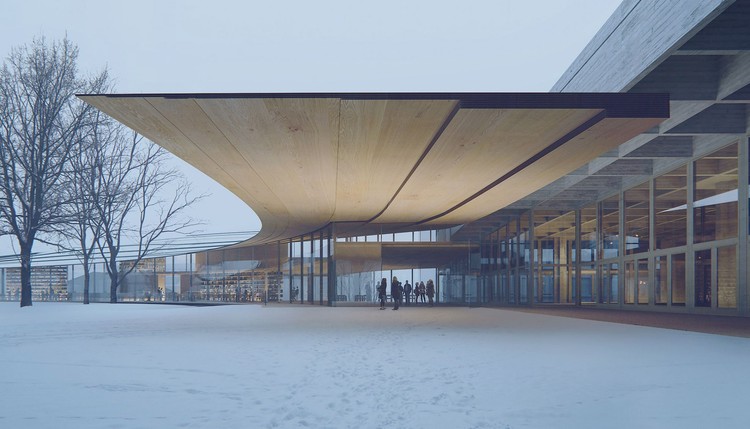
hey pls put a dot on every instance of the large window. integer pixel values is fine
(637, 203)
(610, 283)
(611, 227)
(661, 280)
(589, 246)
(636, 281)
(715, 199)
(589, 243)
(554, 236)
(670, 214)
(678, 279)
(512, 257)
(726, 276)
(644, 286)
(630, 279)
(703, 278)
(524, 252)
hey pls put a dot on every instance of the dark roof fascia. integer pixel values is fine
(617, 105)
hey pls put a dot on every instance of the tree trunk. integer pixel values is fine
(86, 280)
(25, 275)
(114, 281)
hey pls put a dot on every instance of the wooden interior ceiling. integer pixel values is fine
(301, 161)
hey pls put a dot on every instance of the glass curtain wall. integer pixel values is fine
(671, 241)
(637, 207)
(503, 264)
(654, 244)
(589, 240)
(524, 258)
(670, 216)
(715, 228)
(361, 263)
(554, 243)
(610, 233)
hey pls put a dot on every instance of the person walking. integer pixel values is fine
(381, 292)
(396, 290)
(407, 292)
(430, 290)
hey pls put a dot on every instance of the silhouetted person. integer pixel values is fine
(430, 290)
(396, 290)
(381, 292)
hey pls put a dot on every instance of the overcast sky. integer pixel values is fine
(152, 46)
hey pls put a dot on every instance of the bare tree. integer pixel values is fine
(40, 121)
(82, 231)
(139, 201)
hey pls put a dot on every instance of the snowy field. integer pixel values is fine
(245, 366)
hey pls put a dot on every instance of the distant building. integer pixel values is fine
(151, 265)
(47, 283)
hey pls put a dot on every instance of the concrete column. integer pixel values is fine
(577, 266)
(621, 250)
(651, 243)
(743, 306)
(690, 252)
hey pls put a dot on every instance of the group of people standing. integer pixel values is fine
(399, 292)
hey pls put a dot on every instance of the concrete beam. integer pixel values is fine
(734, 80)
(729, 31)
(665, 147)
(684, 78)
(717, 119)
(627, 167)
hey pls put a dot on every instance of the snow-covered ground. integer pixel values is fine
(247, 366)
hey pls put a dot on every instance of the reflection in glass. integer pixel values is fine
(726, 277)
(670, 218)
(630, 279)
(611, 227)
(715, 174)
(588, 234)
(643, 284)
(554, 238)
(679, 279)
(524, 254)
(613, 281)
(637, 203)
(703, 278)
(661, 291)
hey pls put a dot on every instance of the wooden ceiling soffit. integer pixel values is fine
(588, 142)
(301, 161)
(380, 143)
(477, 147)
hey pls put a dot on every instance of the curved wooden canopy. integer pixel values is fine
(301, 161)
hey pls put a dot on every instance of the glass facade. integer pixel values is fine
(681, 248)
(682, 251)
(670, 200)
(715, 208)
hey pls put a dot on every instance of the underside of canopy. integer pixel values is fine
(390, 161)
